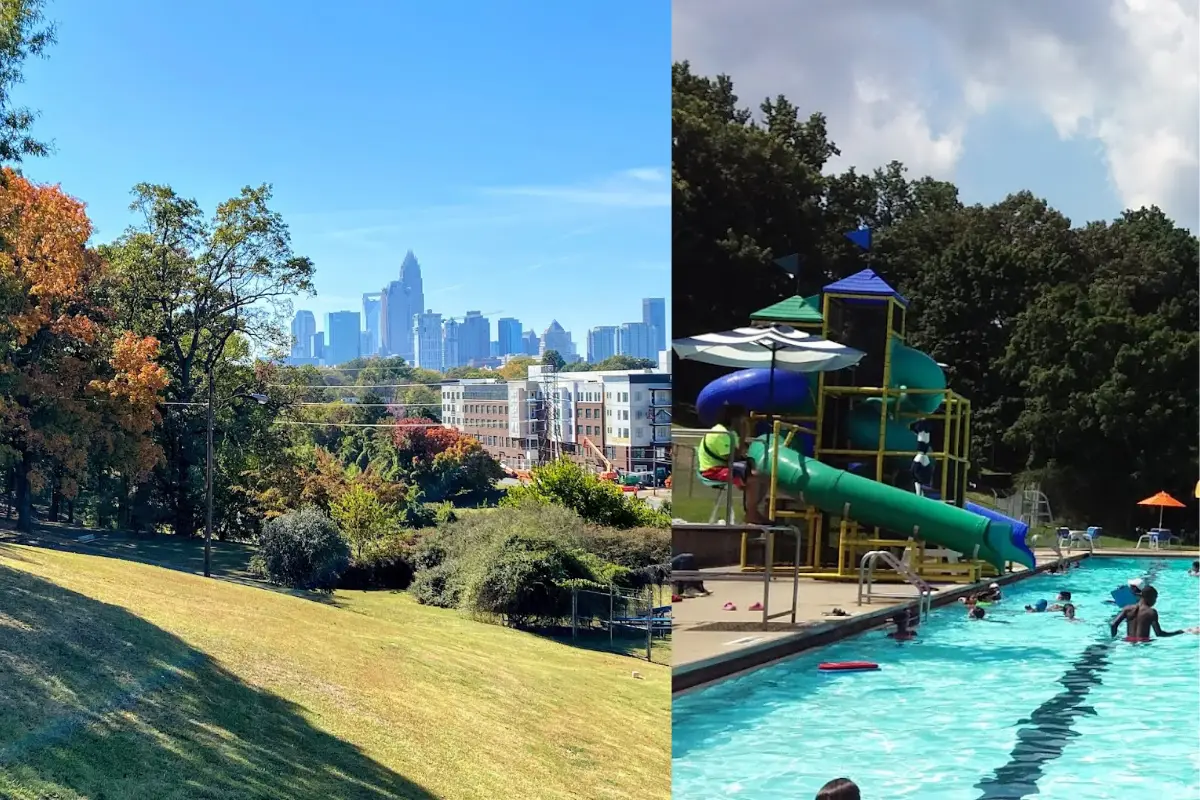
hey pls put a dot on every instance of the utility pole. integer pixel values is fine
(208, 482)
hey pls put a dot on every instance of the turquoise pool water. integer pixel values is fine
(1015, 706)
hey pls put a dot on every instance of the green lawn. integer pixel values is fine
(124, 680)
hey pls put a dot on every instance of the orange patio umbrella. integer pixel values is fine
(1162, 500)
(1198, 490)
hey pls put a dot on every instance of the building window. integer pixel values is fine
(578, 429)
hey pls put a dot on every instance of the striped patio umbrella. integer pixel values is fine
(776, 347)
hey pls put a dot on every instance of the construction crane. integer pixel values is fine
(609, 473)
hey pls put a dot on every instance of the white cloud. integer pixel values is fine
(643, 187)
(903, 80)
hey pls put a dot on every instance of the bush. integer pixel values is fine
(565, 483)
(302, 549)
(515, 562)
(388, 563)
(634, 548)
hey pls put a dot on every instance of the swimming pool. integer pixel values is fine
(1015, 706)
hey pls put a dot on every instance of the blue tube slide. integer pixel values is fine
(1019, 529)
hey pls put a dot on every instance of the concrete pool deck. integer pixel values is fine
(709, 643)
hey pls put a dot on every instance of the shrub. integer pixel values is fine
(388, 563)
(524, 579)
(302, 549)
(633, 548)
(567, 484)
(362, 518)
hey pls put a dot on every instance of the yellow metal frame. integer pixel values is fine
(953, 459)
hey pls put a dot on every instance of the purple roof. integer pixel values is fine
(865, 282)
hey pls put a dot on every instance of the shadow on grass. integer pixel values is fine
(626, 644)
(96, 702)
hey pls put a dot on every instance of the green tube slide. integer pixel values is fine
(869, 502)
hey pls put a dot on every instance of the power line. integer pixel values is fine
(397, 424)
(355, 386)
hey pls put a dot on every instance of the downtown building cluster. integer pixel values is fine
(395, 322)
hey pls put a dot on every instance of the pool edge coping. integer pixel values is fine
(697, 675)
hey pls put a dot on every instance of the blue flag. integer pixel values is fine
(861, 237)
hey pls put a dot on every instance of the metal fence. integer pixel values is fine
(633, 623)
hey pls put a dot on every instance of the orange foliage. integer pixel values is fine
(423, 439)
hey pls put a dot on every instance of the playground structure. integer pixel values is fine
(840, 454)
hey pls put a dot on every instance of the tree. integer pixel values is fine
(565, 483)
(552, 358)
(23, 33)
(194, 284)
(362, 518)
(443, 462)
(620, 362)
(69, 372)
(517, 368)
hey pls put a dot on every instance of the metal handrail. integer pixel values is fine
(866, 575)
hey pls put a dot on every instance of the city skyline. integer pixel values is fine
(398, 321)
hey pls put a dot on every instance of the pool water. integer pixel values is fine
(1017, 705)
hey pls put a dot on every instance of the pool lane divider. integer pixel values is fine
(698, 674)
(1045, 734)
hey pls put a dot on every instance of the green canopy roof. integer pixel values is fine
(795, 310)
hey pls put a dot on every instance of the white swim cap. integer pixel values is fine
(1135, 582)
(994, 586)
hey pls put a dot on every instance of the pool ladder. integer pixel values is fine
(866, 581)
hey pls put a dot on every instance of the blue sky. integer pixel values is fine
(524, 157)
(1090, 104)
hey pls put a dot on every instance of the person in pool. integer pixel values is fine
(990, 594)
(975, 612)
(902, 633)
(1061, 602)
(1068, 610)
(840, 789)
(1141, 618)
(1036, 608)
(1195, 570)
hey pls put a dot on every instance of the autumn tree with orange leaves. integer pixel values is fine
(74, 395)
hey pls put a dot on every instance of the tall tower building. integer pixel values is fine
(556, 338)
(530, 343)
(654, 316)
(475, 342)
(634, 339)
(304, 325)
(343, 331)
(427, 341)
(402, 300)
(601, 343)
(372, 303)
(451, 338)
(508, 334)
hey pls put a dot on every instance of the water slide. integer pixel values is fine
(869, 502)
(1019, 528)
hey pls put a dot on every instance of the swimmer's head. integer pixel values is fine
(839, 789)
(1065, 596)
(977, 613)
(1196, 566)
(1149, 595)
(1069, 610)
(1040, 605)
(993, 586)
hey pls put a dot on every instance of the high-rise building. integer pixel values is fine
(372, 302)
(343, 330)
(451, 337)
(654, 316)
(304, 325)
(494, 349)
(316, 347)
(634, 340)
(508, 335)
(530, 343)
(427, 341)
(401, 301)
(475, 338)
(601, 343)
(556, 338)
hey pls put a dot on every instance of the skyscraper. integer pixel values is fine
(530, 343)
(451, 338)
(401, 301)
(372, 302)
(556, 338)
(601, 343)
(508, 334)
(475, 340)
(304, 325)
(654, 316)
(427, 341)
(316, 346)
(342, 329)
(634, 339)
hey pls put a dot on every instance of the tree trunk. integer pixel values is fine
(55, 499)
(70, 512)
(24, 494)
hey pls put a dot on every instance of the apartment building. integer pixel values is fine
(623, 415)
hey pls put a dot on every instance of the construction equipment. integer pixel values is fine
(609, 473)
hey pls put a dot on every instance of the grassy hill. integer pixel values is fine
(125, 680)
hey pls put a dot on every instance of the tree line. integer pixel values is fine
(1078, 344)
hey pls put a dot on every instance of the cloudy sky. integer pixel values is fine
(1093, 104)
